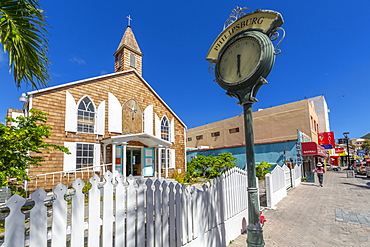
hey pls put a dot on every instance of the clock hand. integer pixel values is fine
(238, 57)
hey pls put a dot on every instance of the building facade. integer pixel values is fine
(278, 134)
(116, 120)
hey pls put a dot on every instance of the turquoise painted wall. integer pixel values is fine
(271, 153)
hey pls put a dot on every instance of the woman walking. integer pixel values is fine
(320, 173)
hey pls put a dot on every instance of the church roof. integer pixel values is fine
(128, 40)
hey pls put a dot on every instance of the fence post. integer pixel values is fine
(158, 213)
(131, 212)
(38, 220)
(269, 191)
(140, 234)
(77, 220)
(59, 227)
(94, 212)
(149, 214)
(14, 223)
(171, 205)
(108, 218)
(165, 223)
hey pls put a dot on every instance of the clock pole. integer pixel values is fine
(247, 98)
(254, 229)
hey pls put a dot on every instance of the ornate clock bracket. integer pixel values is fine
(275, 35)
(248, 95)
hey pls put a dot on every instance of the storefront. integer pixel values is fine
(312, 154)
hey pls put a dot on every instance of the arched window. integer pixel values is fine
(165, 129)
(85, 116)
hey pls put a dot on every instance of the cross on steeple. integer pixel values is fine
(129, 20)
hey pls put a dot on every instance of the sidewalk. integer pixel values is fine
(337, 214)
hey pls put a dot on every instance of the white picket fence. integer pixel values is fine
(137, 213)
(278, 181)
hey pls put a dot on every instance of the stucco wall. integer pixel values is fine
(270, 152)
(275, 124)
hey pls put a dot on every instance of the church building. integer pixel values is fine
(113, 122)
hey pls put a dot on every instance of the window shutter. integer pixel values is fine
(157, 126)
(132, 60)
(96, 157)
(172, 158)
(172, 130)
(15, 115)
(70, 113)
(148, 120)
(114, 114)
(69, 161)
(100, 119)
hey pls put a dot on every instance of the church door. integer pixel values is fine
(149, 162)
(133, 162)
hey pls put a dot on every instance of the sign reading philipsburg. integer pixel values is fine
(264, 21)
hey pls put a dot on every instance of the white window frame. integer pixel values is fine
(165, 129)
(87, 123)
(170, 158)
(70, 160)
(86, 153)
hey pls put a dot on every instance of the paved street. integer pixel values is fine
(337, 214)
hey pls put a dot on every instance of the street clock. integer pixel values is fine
(244, 59)
(243, 55)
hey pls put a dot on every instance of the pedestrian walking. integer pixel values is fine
(320, 173)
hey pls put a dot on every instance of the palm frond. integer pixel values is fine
(23, 34)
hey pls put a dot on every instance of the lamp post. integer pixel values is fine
(346, 136)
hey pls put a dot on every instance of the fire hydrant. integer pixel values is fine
(262, 219)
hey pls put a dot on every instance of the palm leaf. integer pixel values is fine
(23, 36)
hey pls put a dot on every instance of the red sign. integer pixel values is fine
(312, 148)
(339, 150)
(327, 138)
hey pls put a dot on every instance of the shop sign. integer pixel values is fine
(311, 148)
(326, 140)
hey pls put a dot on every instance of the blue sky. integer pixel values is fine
(325, 52)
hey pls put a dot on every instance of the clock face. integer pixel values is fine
(239, 60)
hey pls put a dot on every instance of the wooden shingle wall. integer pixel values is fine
(124, 87)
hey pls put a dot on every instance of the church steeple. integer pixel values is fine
(128, 54)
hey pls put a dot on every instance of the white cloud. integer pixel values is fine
(78, 60)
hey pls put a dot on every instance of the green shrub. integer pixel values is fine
(262, 169)
(209, 166)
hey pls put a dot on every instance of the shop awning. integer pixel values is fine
(312, 148)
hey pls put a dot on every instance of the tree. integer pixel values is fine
(366, 145)
(23, 36)
(210, 166)
(20, 146)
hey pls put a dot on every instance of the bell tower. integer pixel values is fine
(128, 54)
